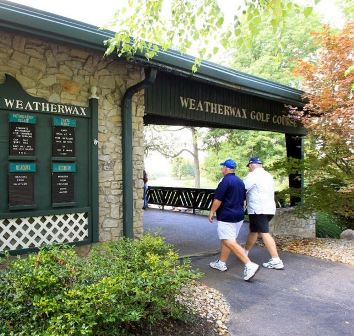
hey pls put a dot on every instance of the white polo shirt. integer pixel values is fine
(260, 192)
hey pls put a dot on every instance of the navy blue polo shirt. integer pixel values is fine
(231, 192)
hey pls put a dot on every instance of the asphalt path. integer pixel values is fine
(309, 297)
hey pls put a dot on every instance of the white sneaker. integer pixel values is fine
(274, 264)
(250, 271)
(219, 265)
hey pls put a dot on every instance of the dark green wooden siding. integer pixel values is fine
(163, 105)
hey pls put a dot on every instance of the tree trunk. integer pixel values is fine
(196, 157)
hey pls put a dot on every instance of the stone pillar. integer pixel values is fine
(287, 222)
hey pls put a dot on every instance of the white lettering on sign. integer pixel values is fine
(242, 113)
(23, 167)
(36, 106)
(9, 102)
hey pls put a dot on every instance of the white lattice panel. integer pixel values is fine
(29, 232)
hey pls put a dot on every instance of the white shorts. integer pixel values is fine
(228, 230)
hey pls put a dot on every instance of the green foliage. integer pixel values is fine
(151, 26)
(326, 184)
(262, 57)
(182, 167)
(328, 117)
(328, 226)
(347, 7)
(121, 283)
(240, 145)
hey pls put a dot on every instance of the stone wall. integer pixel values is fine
(287, 222)
(65, 74)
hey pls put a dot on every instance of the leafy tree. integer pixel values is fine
(261, 56)
(168, 142)
(240, 145)
(181, 167)
(347, 7)
(150, 26)
(328, 116)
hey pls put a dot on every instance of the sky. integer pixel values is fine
(100, 12)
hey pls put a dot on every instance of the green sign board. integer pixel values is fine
(49, 168)
(25, 103)
(22, 167)
(181, 101)
(22, 118)
(64, 167)
(57, 121)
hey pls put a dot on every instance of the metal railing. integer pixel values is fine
(190, 198)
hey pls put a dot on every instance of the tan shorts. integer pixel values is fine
(228, 230)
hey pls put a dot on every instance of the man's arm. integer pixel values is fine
(249, 182)
(215, 206)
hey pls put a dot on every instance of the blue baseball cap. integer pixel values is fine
(254, 159)
(229, 163)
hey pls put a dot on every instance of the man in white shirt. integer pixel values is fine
(261, 209)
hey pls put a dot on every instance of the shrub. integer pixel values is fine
(328, 226)
(122, 283)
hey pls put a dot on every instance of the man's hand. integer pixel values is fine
(215, 206)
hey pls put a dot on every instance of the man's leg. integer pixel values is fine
(224, 252)
(236, 249)
(250, 267)
(275, 262)
(270, 245)
(227, 231)
(251, 240)
(220, 264)
(253, 234)
(145, 196)
(227, 234)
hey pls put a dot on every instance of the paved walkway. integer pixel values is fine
(310, 297)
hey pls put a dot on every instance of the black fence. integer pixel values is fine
(190, 198)
(181, 197)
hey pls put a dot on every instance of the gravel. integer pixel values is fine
(207, 303)
(338, 250)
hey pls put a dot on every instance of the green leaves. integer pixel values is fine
(307, 11)
(196, 27)
(240, 145)
(272, 54)
(56, 293)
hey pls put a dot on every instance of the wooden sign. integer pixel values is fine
(63, 182)
(22, 135)
(21, 184)
(63, 137)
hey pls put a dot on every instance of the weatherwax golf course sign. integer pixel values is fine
(48, 171)
(195, 103)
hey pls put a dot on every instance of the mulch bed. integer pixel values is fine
(197, 326)
(208, 314)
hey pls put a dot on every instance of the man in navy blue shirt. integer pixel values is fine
(228, 204)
